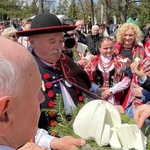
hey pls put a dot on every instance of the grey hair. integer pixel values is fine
(95, 26)
(10, 78)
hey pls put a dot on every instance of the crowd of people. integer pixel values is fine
(97, 65)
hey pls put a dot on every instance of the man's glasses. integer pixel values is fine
(14, 36)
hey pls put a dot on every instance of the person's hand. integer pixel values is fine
(141, 113)
(66, 143)
(137, 92)
(120, 109)
(99, 91)
(127, 62)
(83, 62)
(32, 146)
(106, 94)
(135, 68)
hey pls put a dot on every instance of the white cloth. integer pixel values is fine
(2, 147)
(81, 47)
(68, 102)
(42, 138)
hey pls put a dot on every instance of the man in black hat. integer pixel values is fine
(59, 73)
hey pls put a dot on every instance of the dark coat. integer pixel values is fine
(146, 84)
(64, 70)
(81, 37)
(92, 43)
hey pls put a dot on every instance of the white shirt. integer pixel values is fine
(42, 138)
(24, 41)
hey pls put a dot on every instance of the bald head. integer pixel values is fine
(20, 94)
(79, 24)
(14, 64)
(13, 51)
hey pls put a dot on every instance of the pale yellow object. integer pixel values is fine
(101, 121)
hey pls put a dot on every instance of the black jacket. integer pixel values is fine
(81, 37)
(92, 42)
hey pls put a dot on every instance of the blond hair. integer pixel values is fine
(27, 26)
(126, 26)
(8, 31)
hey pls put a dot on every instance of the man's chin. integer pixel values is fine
(55, 58)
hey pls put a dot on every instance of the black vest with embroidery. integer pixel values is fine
(99, 78)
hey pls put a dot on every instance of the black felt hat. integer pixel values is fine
(45, 23)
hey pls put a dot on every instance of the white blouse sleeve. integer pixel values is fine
(122, 85)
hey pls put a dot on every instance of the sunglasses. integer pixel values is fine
(14, 36)
(73, 34)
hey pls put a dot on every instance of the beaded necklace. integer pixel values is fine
(105, 67)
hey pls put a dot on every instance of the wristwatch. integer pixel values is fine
(110, 91)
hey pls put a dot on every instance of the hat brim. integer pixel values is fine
(44, 30)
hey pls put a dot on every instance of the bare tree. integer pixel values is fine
(41, 6)
(123, 8)
(62, 7)
(107, 7)
(92, 12)
(82, 7)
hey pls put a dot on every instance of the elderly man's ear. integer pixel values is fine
(5, 116)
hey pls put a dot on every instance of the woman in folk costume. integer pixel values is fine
(128, 44)
(147, 46)
(128, 38)
(106, 72)
(146, 43)
(138, 94)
